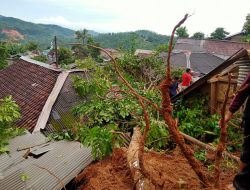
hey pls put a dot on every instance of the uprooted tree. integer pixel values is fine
(171, 123)
(136, 149)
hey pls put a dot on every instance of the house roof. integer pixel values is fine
(233, 35)
(143, 52)
(201, 63)
(30, 85)
(46, 165)
(68, 98)
(235, 57)
(221, 48)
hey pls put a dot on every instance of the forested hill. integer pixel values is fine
(22, 31)
(142, 39)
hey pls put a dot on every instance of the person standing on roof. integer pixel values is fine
(186, 79)
(241, 180)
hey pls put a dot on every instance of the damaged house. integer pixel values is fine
(45, 96)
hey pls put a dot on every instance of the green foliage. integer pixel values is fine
(24, 177)
(98, 138)
(246, 27)
(195, 120)
(3, 56)
(15, 48)
(41, 58)
(141, 39)
(61, 136)
(198, 36)
(96, 85)
(162, 48)
(30, 46)
(107, 112)
(65, 56)
(201, 155)
(82, 35)
(158, 135)
(143, 70)
(177, 71)
(87, 63)
(9, 113)
(82, 50)
(108, 108)
(182, 32)
(246, 38)
(219, 34)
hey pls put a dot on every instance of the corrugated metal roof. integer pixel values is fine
(58, 163)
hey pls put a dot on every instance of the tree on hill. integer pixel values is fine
(82, 35)
(3, 56)
(219, 34)
(182, 32)
(65, 56)
(198, 36)
(246, 28)
(82, 50)
(31, 46)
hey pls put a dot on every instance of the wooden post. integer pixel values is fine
(213, 98)
(56, 53)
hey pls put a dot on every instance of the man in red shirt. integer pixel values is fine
(186, 79)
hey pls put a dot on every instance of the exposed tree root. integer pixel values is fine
(223, 138)
(170, 121)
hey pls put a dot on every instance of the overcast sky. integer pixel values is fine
(159, 16)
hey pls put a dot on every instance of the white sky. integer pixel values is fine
(129, 15)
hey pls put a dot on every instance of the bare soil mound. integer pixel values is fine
(113, 172)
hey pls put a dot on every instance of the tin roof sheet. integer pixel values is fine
(53, 166)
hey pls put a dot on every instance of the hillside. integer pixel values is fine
(27, 31)
(142, 39)
(43, 34)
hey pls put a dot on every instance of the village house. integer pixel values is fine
(238, 37)
(113, 52)
(45, 96)
(143, 53)
(214, 84)
(203, 55)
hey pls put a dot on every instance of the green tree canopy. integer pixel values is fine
(182, 32)
(82, 35)
(9, 113)
(15, 48)
(3, 56)
(219, 34)
(31, 46)
(198, 35)
(65, 56)
(83, 51)
(246, 27)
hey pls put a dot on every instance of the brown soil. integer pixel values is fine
(113, 173)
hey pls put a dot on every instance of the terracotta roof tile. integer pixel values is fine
(30, 85)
